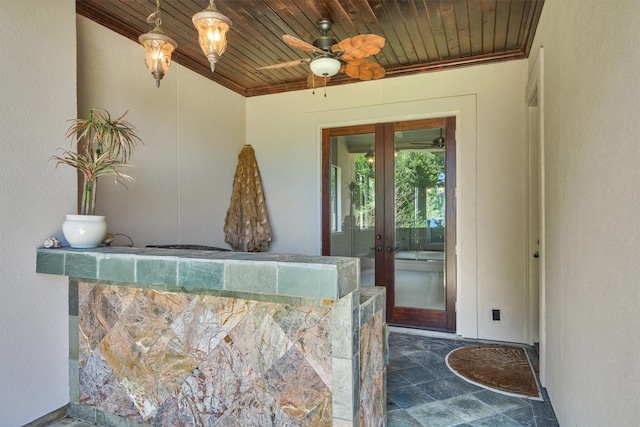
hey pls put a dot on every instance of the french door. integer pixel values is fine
(389, 199)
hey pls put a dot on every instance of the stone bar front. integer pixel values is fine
(169, 337)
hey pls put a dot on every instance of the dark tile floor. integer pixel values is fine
(422, 390)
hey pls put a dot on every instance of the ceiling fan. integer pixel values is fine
(330, 56)
(438, 142)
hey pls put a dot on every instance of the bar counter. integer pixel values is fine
(171, 337)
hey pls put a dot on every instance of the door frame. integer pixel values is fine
(535, 105)
(384, 132)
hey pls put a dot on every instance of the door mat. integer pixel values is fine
(500, 368)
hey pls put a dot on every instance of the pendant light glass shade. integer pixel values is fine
(158, 48)
(212, 29)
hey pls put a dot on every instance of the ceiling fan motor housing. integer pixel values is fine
(324, 43)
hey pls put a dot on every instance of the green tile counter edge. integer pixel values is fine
(326, 278)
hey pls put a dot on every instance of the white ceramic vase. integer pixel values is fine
(84, 231)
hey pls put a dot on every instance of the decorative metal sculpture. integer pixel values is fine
(246, 226)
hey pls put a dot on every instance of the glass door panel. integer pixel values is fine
(352, 199)
(419, 259)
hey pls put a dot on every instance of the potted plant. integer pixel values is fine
(105, 146)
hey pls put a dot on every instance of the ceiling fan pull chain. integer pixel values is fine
(325, 86)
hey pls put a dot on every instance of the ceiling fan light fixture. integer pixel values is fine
(158, 47)
(440, 141)
(325, 66)
(212, 29)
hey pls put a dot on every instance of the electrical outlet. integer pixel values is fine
(496, 314)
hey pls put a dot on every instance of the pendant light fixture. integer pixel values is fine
(370, 157)
(212, 29)
(157, 47)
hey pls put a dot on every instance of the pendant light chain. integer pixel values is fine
(154, 18)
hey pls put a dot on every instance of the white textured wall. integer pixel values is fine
(284, 130)
(37, 96)
(193, 130)
(592, 123)
(591, 113)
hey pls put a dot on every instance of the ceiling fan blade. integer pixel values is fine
(359, 47)
(314, 81)
(283, 64)
(300, 44)
(363, 69)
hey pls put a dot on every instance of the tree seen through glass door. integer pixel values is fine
(420, 198)
(420, 201)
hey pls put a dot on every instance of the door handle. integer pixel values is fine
(536, 255)
(391, 248)
(377, 249)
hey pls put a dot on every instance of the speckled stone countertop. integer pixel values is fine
(326, 278)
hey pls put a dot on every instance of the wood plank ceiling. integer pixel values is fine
(421, 35)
